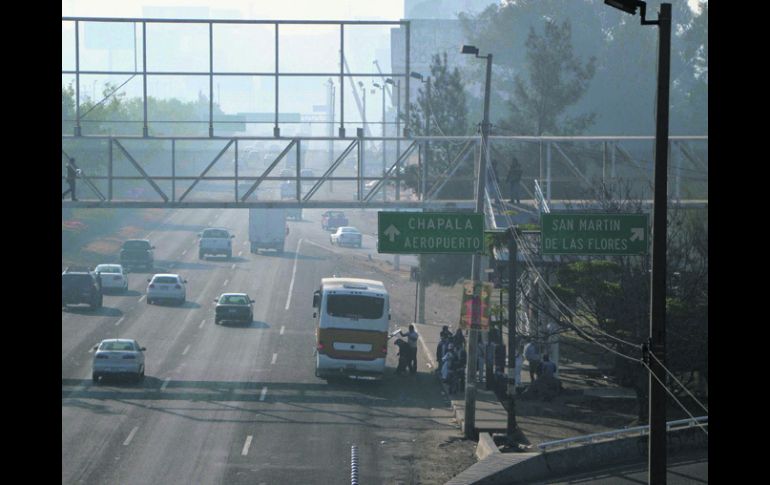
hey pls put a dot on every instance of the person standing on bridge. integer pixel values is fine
(513, 179)
(72, 175)
(412, 337)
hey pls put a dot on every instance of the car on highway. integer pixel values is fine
(118, 357)
(233, 307)
(331, 220)
(346, 236)
(215, 241)
(113, 277)
(166, 287)
(80, 286)
(137, 253)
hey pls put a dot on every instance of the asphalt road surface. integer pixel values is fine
(234, 404)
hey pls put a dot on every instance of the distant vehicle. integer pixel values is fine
(81, 286)
(286, 172)
(137, 253)
(352, 317)
(346, 236)
(166, 287)
(288, 191)
(267, 229)
(331, 220)
(113, 276)
(215, 241)
(370, 184)
(236, 307)
(118, 357)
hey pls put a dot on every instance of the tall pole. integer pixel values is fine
(384, 162)
(512, 249)
(470, 379)
(657, 443)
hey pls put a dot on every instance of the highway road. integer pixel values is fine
(234, 404)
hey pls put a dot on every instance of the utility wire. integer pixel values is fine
(675, 398)
(680, 384)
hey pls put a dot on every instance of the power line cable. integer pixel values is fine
(674, 397)
(679, 382)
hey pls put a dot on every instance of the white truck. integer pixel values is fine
(267, 229)
(215, 241)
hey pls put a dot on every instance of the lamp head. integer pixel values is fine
(389, 81)
(628, 6)
(469, 49)
(415, 75)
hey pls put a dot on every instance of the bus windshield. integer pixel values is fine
(355, 306)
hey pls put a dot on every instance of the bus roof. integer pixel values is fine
(352, 284)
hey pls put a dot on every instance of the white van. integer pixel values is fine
(352, 317)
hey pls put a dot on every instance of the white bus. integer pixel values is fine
(352, 317)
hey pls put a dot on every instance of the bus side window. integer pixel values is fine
(317, 299)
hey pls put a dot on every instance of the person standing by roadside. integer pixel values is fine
(533, 358)
(72, 176)
(412, 337)
(513, 179)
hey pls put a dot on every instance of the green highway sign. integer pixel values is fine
(430, 232)
(594, 233)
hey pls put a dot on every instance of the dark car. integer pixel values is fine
(234, 307)
(137, 253)
(80, 286)
(331, 220)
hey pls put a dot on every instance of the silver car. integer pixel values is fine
(113, 277)
(346, 236)
(118, 357)
(170, 287)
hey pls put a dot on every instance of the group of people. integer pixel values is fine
(407, 351)
(452, 357)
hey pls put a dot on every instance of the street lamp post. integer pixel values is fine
(397, 85)
(384, 159)
(470, 379)
(657, 345)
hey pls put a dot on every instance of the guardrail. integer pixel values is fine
(636, 430)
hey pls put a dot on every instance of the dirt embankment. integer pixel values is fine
(94, 236)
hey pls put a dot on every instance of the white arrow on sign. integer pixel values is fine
(637, 233)
(392, 232)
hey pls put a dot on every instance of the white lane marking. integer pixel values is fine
(225, 283)
(245, 242)
(130, 436)
(331, 250)
(275, 356)
(233, 266)
(240, 252)
(118, 322)
(263, 394)
(142, 298)
(184, 252)
(246, 445)
(282, 329)
(185, 350)
(293, 274)
(165, 383)
(202, 324)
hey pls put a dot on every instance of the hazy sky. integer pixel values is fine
(249, 9)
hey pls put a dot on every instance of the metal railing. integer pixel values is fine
(680, 424)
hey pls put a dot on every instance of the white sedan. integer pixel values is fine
(113, 276)
(166, 287)
(346, 236)
(118, 357)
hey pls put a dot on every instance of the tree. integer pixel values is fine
(447, 112)
(608, 298)
(446, 108)
(557, 80)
